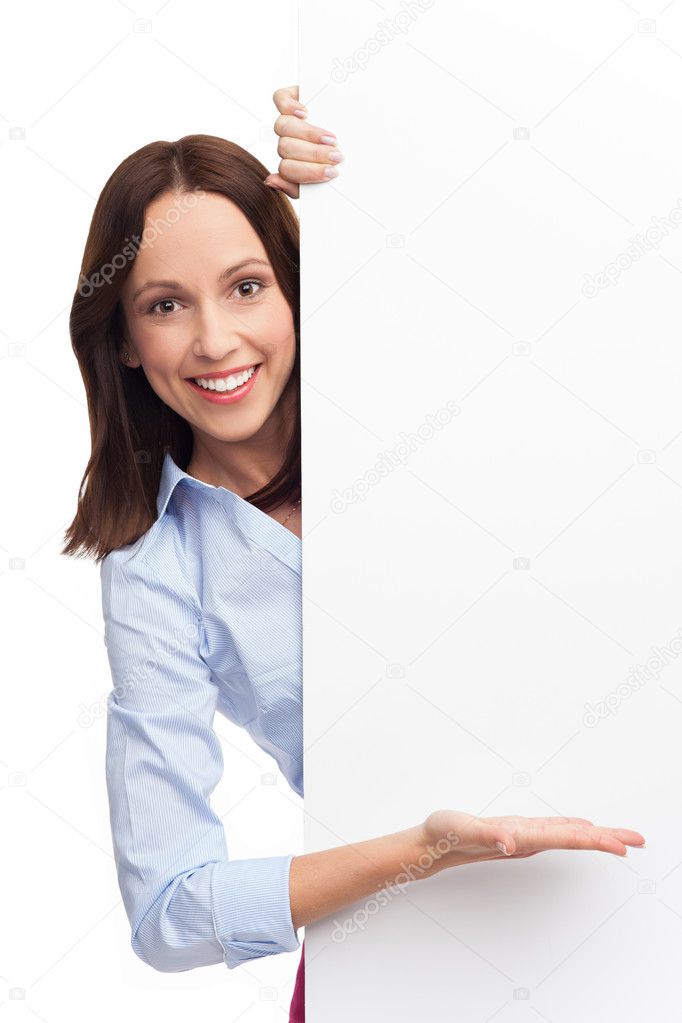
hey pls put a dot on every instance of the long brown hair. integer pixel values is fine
(130, 427)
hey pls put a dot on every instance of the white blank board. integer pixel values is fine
(492, 465)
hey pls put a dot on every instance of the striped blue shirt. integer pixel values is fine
(201, 613)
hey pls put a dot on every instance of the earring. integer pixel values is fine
(126, 356)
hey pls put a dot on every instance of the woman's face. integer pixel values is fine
(202, 299)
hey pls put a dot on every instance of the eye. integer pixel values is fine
(167, 302)
(162, 301)
(249, 284)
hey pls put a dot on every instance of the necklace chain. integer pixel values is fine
(291, 512)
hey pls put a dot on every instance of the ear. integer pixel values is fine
(132, 362)
(126, 347)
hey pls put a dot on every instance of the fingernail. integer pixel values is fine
(336, 156)
(329, 140)
(502, 847)
(301, 112)
(331, 172)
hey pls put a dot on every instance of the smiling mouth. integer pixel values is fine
(216, 390)
(227, 383)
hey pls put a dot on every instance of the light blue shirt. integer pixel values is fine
(201, 613)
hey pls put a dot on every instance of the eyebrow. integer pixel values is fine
(177, 284)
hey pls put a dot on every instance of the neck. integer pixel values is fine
(242, 466)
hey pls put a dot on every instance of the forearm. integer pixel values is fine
(323, 882)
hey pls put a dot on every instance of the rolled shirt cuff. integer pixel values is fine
(252, 908)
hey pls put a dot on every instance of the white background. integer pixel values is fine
(87, 88)
(468, 594)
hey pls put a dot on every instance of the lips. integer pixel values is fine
(225, 397)
(223, 373)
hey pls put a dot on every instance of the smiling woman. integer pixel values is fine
(213, 287)
(185, 325)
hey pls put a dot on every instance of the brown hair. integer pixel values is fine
(130, 427)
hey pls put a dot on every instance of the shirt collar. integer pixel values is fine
(171, 474)
(259, 526)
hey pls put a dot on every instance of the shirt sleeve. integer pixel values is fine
(187, 903)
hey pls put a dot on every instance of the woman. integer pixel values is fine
(193, 508)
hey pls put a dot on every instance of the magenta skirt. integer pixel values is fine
(297, 1010)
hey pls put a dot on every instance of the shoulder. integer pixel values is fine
(152, 565)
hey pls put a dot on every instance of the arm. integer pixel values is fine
(188, 904)
(324, 882)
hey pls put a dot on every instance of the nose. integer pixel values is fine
(218, 331)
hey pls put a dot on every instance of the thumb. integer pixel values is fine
(505, 843)
(280, 184)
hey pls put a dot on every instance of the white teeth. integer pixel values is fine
(225, 383)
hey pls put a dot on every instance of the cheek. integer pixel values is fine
(278, 322)
(284, 351)
(274, 334)
(160, 350)
(286, 328)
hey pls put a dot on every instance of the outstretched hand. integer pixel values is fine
(465, 838)
(308, 154)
